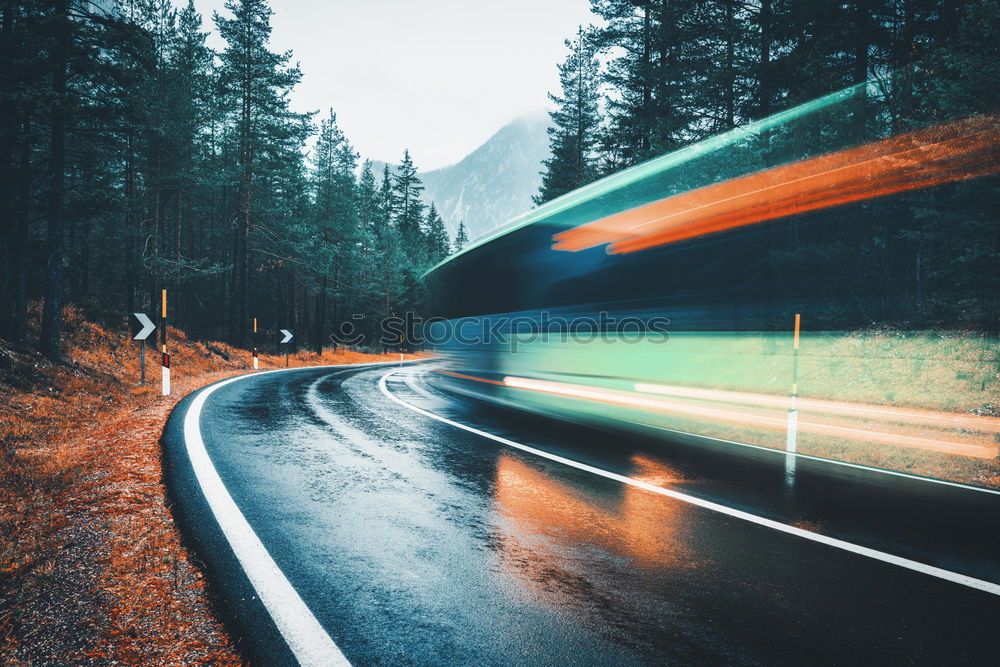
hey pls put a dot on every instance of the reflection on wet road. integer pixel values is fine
(413, 541)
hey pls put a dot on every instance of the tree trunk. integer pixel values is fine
(130, 218)
(234, 272)
(246, 182)
(293, 308)
(8, 204)
(242, 259)
(863, 37)
(179, 314)
(905, 58)
(51, 333)
(320, 315)
(764, 72)
(730, 68)
(647, 82)
(21, 235)
(304, 321)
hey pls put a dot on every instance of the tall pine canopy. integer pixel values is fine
(407, 206)
(673, 73)
(257, 82)
(436, 236)
(134, 158)
(461, 237)
(575, 123)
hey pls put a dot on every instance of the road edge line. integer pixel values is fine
(308, 641)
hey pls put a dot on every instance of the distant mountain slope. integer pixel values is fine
(495, 182)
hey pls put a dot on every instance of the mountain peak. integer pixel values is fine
(495, 182)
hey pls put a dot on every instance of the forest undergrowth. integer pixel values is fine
(92, 567)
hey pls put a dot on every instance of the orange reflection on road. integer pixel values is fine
(943, 154)
(544, 520)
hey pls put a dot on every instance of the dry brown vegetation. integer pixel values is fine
(92, 569)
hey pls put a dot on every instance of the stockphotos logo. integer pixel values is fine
(506, 332)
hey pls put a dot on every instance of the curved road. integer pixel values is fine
(377, 533)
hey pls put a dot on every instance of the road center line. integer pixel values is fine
(916, 566)
(308, 641)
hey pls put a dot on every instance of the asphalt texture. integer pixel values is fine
(415, 542)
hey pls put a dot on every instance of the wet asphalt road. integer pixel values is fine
(413, 541)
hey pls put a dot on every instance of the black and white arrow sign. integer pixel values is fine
(147, 326)
(287, 334)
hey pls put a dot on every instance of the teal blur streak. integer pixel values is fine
(657, 167)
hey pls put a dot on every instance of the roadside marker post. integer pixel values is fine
(256, 362)
(793, 410)
(165, 368)
(146, 327)
(288, 335)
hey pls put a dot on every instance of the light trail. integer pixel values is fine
(952, 152)
(972, 447)
(749, 419)
(800, 455)
(469, 377)
(913, 416)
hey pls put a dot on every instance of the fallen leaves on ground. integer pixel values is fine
(92, 568)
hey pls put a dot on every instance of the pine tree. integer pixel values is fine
(368, 259)
(183, 113)
(628, 35)
(390, 254)
(336, 219)
(369, 208)
(438, 244)
(573, 134)
(461, 238)
(24, 95)
(258, 81)
(407, 207)
(131, 156)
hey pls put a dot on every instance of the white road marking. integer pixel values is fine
(313, 401)
(411, 381)
(916, 566)
(308, 641)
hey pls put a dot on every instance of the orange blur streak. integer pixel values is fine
(952, 152)
(469, 377)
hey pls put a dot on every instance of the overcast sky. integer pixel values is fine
(435, 76)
